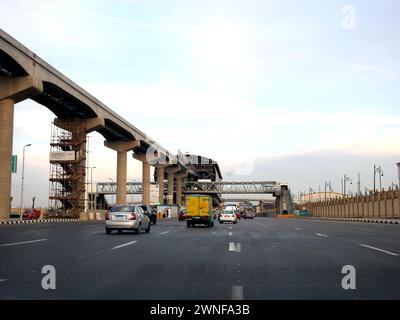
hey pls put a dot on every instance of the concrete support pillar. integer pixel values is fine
(6, 142)
(170, 196)
(145, 182)
(160, 182)
(179, 190)
(121, 176)
(122, 147)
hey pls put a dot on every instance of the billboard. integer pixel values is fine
(62, 156)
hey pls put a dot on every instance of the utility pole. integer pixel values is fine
(359, 185)
(22, 180)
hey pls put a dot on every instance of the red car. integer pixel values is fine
(182, 216)
(238, 215)
(31, 214)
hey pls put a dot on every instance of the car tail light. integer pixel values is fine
(133, 216)
(107, 216)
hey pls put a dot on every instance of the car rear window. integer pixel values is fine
(227, 212)
(122, 209)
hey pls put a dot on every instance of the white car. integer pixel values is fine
(127, 217)
(228, 216)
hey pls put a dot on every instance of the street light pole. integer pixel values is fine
(398, 170)
(374, 178)
(22, 180)
(91, 186)
(328, 184)
(345, 179)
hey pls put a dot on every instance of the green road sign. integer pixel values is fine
(14, 164)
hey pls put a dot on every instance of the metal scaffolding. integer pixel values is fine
(67, 170)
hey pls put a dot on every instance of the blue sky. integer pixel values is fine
(270, 83)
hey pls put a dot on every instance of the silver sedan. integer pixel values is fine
(127, 217)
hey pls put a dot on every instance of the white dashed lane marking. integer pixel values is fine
(377, 249)
(237, 293)
(165, 232)
(124, 245)
(24, 242)
(321, 235)
(298, 229)
(230, 233)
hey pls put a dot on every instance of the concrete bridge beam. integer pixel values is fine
(87, 125)
(19, 88)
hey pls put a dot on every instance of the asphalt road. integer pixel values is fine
(264, 258)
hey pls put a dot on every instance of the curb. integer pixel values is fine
(356, 220)
(38, 221)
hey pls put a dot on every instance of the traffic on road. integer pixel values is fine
(264, 258)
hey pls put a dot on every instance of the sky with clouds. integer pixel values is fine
(279, 90)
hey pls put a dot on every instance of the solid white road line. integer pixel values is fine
(237, 293)
(24, 242)
(124, 245)
(377, 249)
(165, 232)
(321, 235)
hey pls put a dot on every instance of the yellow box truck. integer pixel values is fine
(199, 210)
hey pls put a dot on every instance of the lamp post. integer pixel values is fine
(91, 189)
(22, 180)
(398, 170)
(380, 172)
(328, 185)
(345, 179)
